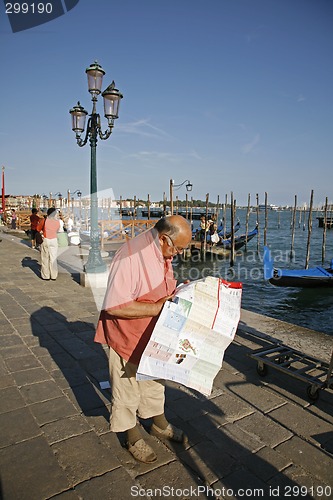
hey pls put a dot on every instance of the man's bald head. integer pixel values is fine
(172, 225)
(174, 234)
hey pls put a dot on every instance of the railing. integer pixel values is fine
(22, 220)
(118, 231)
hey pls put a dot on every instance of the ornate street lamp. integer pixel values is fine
(112, 98)
(177, 186)
(3, 200)
(60, 198)
(44, 200)
(79, 194)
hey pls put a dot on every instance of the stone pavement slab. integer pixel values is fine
(49, 411)
(16, 426)
(30, 470)
(309, 457)
(83, 457)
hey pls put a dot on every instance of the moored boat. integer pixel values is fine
(308, 278)
(240, 240)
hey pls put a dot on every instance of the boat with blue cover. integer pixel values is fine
(314, 277)
(240, 240)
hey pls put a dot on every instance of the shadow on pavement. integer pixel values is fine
(224, 451)
(231, 440)
(76, 360)
(32, 264)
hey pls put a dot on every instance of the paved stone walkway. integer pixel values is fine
(253, 437)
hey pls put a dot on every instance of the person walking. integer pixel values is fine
(49, 247)
(34, 221)
(14, 219)
(141, 280)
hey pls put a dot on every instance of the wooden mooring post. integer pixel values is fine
(258, 223)
(217, 208)
(266, 221)
(309, 232)
(164, 204)
(293, 227)
(204, 247)
(121, 206)
(247, 219)
(191, 213)
(225, 205)
(232, 222)
(323, 249)
(148, 206)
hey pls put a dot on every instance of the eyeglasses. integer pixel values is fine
(178, 249)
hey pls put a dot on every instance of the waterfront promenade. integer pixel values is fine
(252, 438)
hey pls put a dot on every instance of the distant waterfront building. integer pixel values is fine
(269, 207)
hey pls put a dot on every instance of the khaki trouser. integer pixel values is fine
(130, 397)
(48, 254)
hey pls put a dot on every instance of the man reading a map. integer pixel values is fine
(140, 281)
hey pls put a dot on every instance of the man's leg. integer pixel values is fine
(125, 398)
(151, 405)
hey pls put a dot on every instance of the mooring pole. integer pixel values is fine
(247, 219)
(258, 235)
(323, 250)
(309, 232)
(293, 227)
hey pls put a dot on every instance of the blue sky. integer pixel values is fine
(234, 95)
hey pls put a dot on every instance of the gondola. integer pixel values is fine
(240, 240)
(227, 233)
(308, 278)
(196, 235)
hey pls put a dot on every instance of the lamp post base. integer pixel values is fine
(95, 263)
(95, 280)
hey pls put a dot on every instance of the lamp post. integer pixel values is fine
(177, 186)
(44, 200)
(3, 202)
(68, 201)
(79, 194)
(60, 198)
(112, 98)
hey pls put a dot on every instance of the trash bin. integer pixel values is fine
(62, 239)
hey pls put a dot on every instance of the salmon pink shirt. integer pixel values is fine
(51, 228)
(138, 272)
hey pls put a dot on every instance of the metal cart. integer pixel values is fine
(315, 372)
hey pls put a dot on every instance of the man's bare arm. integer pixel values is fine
(137, 310)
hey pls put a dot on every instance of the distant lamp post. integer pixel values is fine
(177, 186)
(112, 98)
(3, 200)
(44, 200)
(60, 198)
(79, 194)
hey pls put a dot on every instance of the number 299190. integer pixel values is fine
(29, 8)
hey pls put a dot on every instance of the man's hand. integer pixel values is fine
(160, 303)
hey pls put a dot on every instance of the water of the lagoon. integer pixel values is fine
(308, 307)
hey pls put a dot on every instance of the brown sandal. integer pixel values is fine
(142, 452)
(170, 432)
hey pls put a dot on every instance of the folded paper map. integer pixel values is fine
(192, 334)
